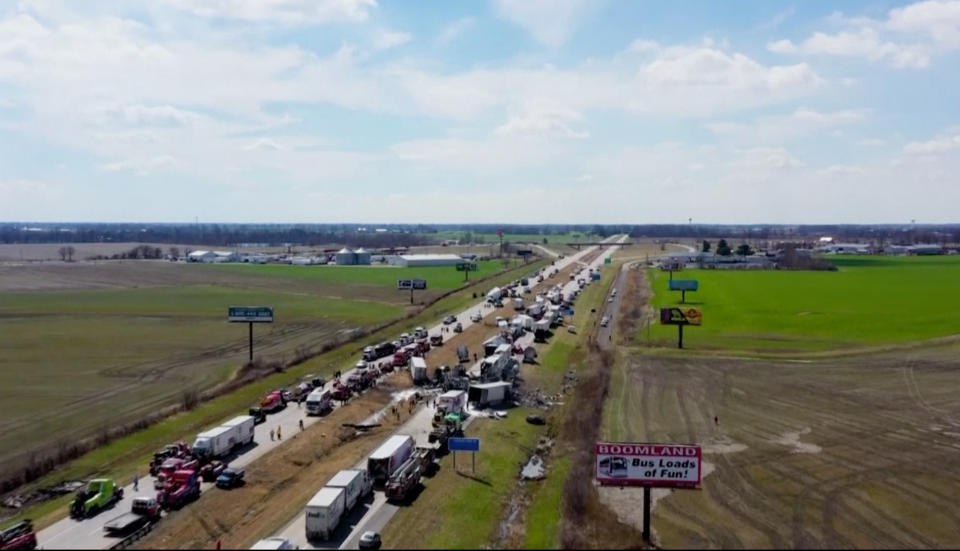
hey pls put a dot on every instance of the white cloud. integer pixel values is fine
(278, 11)
(264, 144)
(938, 19)
(872, 142)
(865, 43)
(642, 45)
(551, 22)
(800, 122)
(142, 166)
(543, 118)
(936, 146)
(777, 19)
(840, 171)
(391, 39)
(456, 29)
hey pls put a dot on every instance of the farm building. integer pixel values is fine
(225, 256)
(202, 256)
(417, 260)
(362, 256)
(346, 257)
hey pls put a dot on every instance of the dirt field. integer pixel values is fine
(851, 453)
(279, 484)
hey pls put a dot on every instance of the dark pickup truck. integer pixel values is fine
(144, 511)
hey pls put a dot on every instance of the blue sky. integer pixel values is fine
(479, 111)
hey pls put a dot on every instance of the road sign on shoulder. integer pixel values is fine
(467, 267)
(463, 444)
(252, 314)
(684, 284)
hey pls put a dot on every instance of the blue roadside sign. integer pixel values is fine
(464, 444)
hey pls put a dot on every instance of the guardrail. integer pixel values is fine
(133, 538)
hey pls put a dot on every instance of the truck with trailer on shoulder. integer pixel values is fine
(356, 485)
(222, 440)
(386, 459)
(323, 513)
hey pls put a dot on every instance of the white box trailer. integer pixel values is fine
(385, 460)
(244, 425)
(418, 369)
(524, 321)
(215, 442)
(453, 401)
(355, 483)
(323, 512)
(518, 303)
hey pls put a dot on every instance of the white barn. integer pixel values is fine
(415, 260)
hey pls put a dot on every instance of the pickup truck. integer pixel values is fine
(230, 478)
(144, 511)
(436, 340)
(18, 536)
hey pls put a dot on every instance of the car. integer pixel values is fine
(613, 293)
(230, 478)
(536, 420)
(370, 540)
(258, 415)
(604, 321)
(571, 329)
(449, 319)
(458, 328)
(476, 317)
(611, 299)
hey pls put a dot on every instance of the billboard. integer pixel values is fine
(463, 444)
(684, 285)
(680, 315)
(467, 267)
(656, 465)
(254, 314)
(417, 284)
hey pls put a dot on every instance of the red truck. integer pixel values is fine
(340, 392)
(170, 466)
(182, 487)
(273, 402)
(177, 449)
(400, 358)
(18, 536)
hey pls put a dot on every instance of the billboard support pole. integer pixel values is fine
(680, 336)
(646, 513)
(411, 294)
(251, 342)
(683, 297)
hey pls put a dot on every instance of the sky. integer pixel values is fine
(514, 111)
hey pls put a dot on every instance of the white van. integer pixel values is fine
(275, 542)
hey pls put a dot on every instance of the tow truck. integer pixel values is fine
(408, 475)
(143, 511)
(182, 487)
(177, 449)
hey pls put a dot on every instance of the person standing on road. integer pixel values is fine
(301, 424)
(136, 482)
(271, 435)
(278, 433)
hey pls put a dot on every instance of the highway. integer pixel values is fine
(88, 533)
(376, 512)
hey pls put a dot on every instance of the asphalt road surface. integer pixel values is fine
(88, 533)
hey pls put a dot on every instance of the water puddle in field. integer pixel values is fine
(723, 445)
(792, 440)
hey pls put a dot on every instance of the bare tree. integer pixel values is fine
(70, 251)
(63, 253)
(175, 252)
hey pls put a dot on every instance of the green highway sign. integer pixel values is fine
(252, 314)
(467, 267)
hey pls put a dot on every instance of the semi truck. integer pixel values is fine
(97, 495)
(494, 294)
(356, 485)
(453, 401)
(182, 487)
(273, 402)
(518, 303)
(323, 513)
(220, 441)
(409, 474)
(386, 459)
(319, 402)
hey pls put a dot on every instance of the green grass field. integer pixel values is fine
(870, 301)
(438, 277)
(72, 352)
(119, 458)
